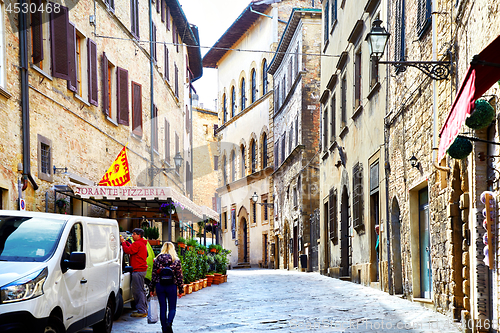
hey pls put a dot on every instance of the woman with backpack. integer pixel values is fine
(166, 280)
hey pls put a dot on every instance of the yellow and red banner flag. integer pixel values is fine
(118, 173)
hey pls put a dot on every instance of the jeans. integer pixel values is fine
(138, 291)
(167, 293)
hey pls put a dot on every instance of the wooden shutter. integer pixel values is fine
(216, 126)
(37, 33)
(122, 98)
(176, 143)
(357, 187)
(154, 135)
(176, 79)
(167, 141)
(216, 162)
(158, 5)
(167, 71)
(187, 119)
(112, 5)
(92, 72)
(137, 108)
(72, 82)
(332, 214)
(105, 85)
(154, 42)
(168, 18)
(134, 16)
(59, 30)
(163, 10)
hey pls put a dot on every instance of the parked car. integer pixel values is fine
(59, 272)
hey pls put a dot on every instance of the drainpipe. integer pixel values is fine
(151, 73)
(434, 83)
(387, 173)
(23, 62)
(262, 14)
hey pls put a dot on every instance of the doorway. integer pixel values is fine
(425, 244)
(396, 247)
(245, 239)
(344, 234)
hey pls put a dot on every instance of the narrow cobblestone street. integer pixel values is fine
(259, 300)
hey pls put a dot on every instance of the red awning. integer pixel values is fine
(479, 78)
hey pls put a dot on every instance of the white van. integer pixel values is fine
(58, 273)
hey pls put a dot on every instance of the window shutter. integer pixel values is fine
(112, 5)
(215, 129)
(168, 18)
(59, 30)
(176, 83)
(167, 72)
(332, 214)
(357, 196)
(137, 109)
(216, 162)
(122, 98)
(187, 120)
(105, 92)
(158, 5)
(72, 82)
(154, 43)
(37, 33)
(163, 10)
(175, 37)
(167, 141)
(176, 143)
(92, 70)
(154, 135)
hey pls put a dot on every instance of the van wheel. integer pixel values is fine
(106, 324)
(119, 306)
(54, 325)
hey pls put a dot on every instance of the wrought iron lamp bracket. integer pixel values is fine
(436, 70)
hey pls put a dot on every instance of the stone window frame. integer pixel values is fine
(43, 175)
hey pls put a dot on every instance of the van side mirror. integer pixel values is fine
(76, 261)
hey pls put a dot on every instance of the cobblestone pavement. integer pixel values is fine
(260, 300)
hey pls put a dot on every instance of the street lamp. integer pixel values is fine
(255, 198)
(377, 40)
(177, 162)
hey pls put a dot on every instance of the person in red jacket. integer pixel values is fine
(138, 255)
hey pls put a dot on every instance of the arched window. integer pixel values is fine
(243, 98)
(264, 151)
(233, 102)
(264, 77)
(224, 170)
(254, 156)
(233, 166)
(224, 107)
(243, 164)
(254, 86)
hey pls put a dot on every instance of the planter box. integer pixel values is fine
(190, 288)
(195, 286)
(185, 289)
(205, 282)
(209, 278)
(154, 242)
(217, 278)
(181, 245)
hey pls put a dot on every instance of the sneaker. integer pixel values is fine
(138, 314)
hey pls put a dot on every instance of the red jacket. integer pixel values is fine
(138, 254)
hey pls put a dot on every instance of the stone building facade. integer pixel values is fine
(245, 136)
(296, 120)
(352, 158)
(100, 75)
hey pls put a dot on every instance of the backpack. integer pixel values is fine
(166, 276)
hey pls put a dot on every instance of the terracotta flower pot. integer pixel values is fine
(195, 286)
(210, 278)
(205, 282)
(225, 277)
(217, 278)
(213, 250)
(186, 287)
(181, 245)
(190, 288)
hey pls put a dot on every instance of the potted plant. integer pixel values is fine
(181, 242)
(191, 243)
(201, 249)
(152, 234)
(212, 248)
(460, 148)
(482, 115)
(61, 205)
(210, 278)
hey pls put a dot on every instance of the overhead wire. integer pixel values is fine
(221, 48)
